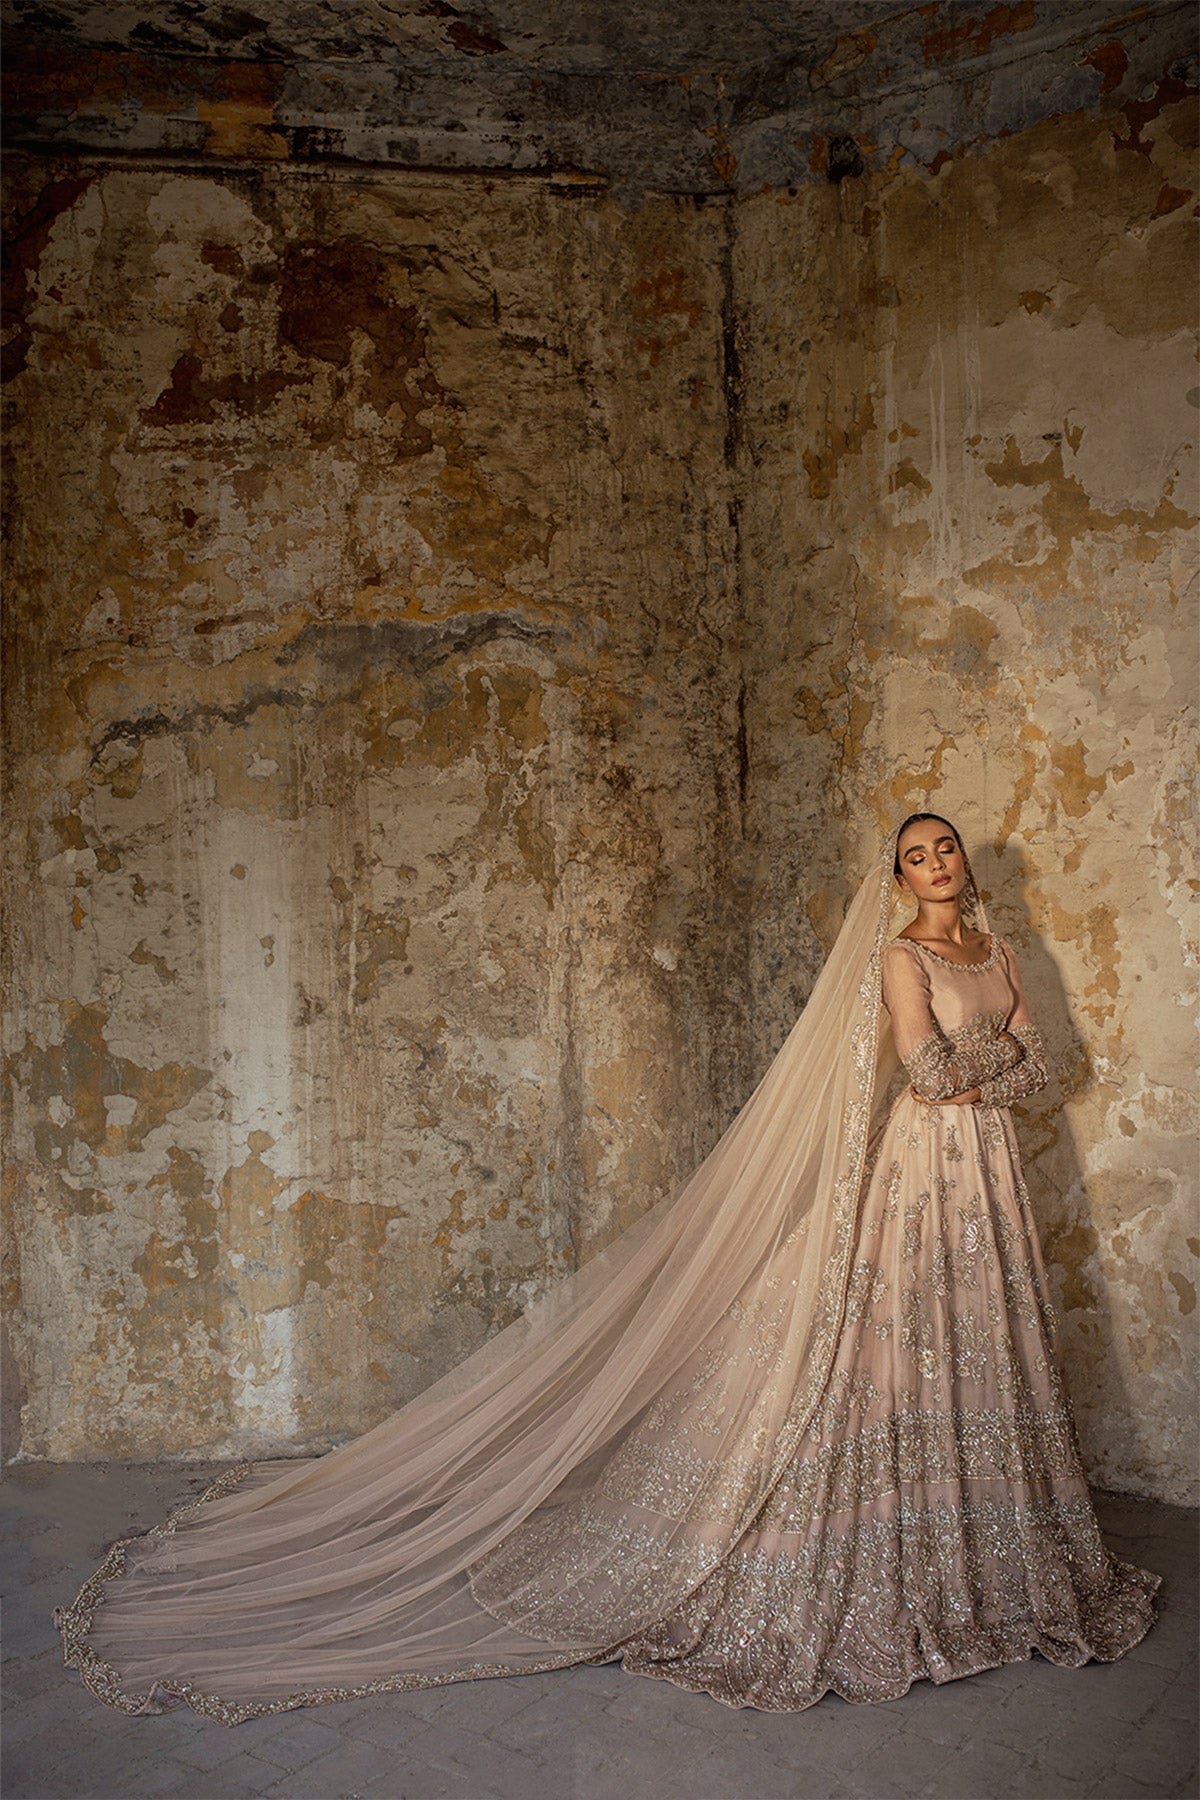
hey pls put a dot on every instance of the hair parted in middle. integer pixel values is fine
(917, 819)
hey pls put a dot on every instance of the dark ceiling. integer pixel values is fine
(694, 95)
(578, 36)
(586, 37)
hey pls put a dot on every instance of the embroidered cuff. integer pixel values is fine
(942, 1066)
(1025, 1077)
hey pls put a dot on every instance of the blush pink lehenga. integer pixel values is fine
(934, 1519)
(801, 1429)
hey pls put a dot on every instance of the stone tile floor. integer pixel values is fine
(1123, 1730)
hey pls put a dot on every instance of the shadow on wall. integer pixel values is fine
(12, 1398)
(1053, 1014)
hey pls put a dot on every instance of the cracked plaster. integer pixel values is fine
(469, 633)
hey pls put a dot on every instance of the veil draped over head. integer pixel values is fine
(569, 1484)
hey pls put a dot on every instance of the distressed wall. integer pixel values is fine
(969, 531)
(466, 633)
(370, 803)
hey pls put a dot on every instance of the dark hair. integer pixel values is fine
(917, 819)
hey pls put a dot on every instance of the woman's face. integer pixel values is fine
(931, 863)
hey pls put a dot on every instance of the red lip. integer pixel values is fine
(940, 880)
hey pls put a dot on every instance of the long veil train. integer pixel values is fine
(577, 1477)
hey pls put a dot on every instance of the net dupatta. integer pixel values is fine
(569, 1485)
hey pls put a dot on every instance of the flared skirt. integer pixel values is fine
(934, 1519)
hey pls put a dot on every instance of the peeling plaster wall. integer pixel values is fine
(466, 634)
(369, 810)
(968, 524)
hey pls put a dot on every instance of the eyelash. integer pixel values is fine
(946, 846)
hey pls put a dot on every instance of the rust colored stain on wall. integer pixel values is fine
(977, 34)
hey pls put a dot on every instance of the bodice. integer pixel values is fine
(960, 993)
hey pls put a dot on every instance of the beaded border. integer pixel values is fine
(979, 968)
(74, 1622)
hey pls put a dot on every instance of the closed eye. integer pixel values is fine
(946, 845)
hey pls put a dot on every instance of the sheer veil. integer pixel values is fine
(575, 1479)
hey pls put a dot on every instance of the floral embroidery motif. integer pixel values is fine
(848, 1392)
(974, 1247)
(765, 1323)
(911, 1242)
(868, 1286)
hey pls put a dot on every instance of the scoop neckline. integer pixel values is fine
(948, 962)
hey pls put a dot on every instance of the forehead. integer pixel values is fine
(924, 833)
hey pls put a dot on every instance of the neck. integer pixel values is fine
(941, 919)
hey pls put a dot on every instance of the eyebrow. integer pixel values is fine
(947, 837)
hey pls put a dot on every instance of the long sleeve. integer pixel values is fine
(1030, 1073)
(939, 1068)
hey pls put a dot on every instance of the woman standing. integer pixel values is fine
(800, 1429)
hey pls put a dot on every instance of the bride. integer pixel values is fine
(800, 1429)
